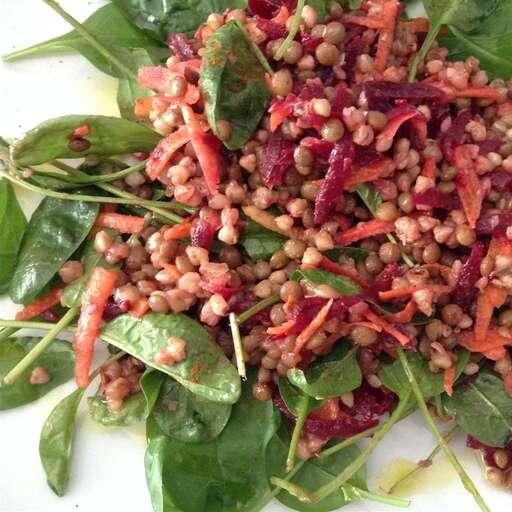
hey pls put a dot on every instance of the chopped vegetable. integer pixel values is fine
(120, 223)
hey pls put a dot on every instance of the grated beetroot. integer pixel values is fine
(114, 308)
(434, 198)
(455, 135)
(269, 8)
(500, 180)
(465, 291)
(343, 99)
(493, 223)
(314, 88)
(202, 234)
(340, 165)
(310, 42)
(278, 157)
(226, 291)
(181, 47)
(50, 315)
(353, 48)
(271, 28)
(489, 451)
(490, 146)
(381, 95)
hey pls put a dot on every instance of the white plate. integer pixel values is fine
(108, 471)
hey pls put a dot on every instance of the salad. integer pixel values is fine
(297, 234)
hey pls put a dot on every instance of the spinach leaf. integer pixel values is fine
(356, 253)
(343, 285)
(393, 376)
(159, 18)
(293, 397)
(225, 474)
(54, 233)
(206, 371)
(56, 442)
(482, 29)
(314, 473)
(150, 384)
(330, 376)
(12, 227)
(72, 295)
(58, 359)
(370, 197)
(132, 411)
(483, 409)
(108, 136)
(186, 417)
(233, 84)
(260, 243)
(110, 27)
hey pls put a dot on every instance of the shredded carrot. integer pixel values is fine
(387, 327)
(495, 354)
(449, 380)
(311, 329)
(179, 231)
(277, 117)
(343, 270)
(281, 329)
(373, 22)
(405, 315)
(348, 326)
(493, 340)
(282, 16)
(172, 269)
(499, 247)
(417, 25)
(394, 124)
(52, 298)
(288, 305)
(484, 92)
(121, 223)
(267, 220)
(385, 44)
(429, 168)
(140, 308)
(365, 230)
(329, 411)
(409, 290)
(372, 172)
(505, 109)
(489, 298)
(99, 288)
(143, 106)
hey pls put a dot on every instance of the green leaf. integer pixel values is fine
(483, 409)
(292, 397)
(222, 475)
(159, 18)
(393, 376)
(370, 197)
(205, 371)
(329, 376)
(56, 442)
(111, 28)
(108, 136)
(343, 285)
(12, 227)
(314, 473)
(58, 359)
(55, 231)
(186, 417)
(150, 384)
(132, 411)
(356, 253)
(73, 293)
(233, 84)
(260, 243)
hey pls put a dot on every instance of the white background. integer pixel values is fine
(107, 471)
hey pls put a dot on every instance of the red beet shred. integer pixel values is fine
(278, 157)
(465, 291)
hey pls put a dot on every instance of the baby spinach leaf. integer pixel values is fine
(12, 227)
(483, 409)
(293, 397)
(108, 136)
(206, 371)
(370, 197)
(150, 384)
(341, 284)
(315, 473)
(330, 376)
(356, 253)
(132, 411)
(54, 233)
(56, 442)
(260, 243)
(58, 359)
(186, 417)
(233, 84)
(393, 376)
(222, 475)
(110, 27)
(159, 18)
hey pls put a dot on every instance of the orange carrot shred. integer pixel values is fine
(143, 106)
(311, 329)
(469, 187)
(429, 168)
(179, 231)
(342, 270)
(405, 315)
(489, 298)
(495, 354)
(409, 290)
(99, 288)
(385, 326)
(449, 380)
(365, 230)
(493, 340)
(417, 25)
(484, 92)
(385, 43)
(281, 329)
(172, 269)
(52, 298)
(140, 308)
(119, 222)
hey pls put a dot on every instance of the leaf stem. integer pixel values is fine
(292, 32)
(348, 442)
(259, 306)
(302, 414)
(237, 343)
(41, 346)
(337, 482)
(7, 332)
(48, 47)
(464, 477)
(25, 324)
(425, 47)
(82, 31)
(377, 498)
